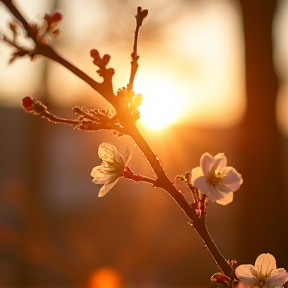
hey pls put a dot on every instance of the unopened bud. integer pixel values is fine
(56, 17)
(141, 14)
(105, 59)
(144, 13)
(95, 54)
(220, 280)
(138, 100)
(28, 103)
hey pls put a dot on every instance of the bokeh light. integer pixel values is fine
(105, 278)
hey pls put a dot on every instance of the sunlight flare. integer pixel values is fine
(162, 105)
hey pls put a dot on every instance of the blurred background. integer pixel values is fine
(213, 74)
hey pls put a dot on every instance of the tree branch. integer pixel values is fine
(106, 90)
(198, 223)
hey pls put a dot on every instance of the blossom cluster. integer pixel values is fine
(212, 178)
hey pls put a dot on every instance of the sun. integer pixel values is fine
(161, 104)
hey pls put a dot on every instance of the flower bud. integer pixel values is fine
(138, 100)
(28, 103)
(141, 14)
(95, 54)
(105, 59)
(144, 13)
(56, 17)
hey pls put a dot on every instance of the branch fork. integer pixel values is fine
(126, 105)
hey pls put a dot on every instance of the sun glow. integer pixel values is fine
(161, 104)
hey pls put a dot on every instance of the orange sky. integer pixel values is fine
(192, 69)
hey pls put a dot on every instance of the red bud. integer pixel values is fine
(56, 17)
(28, 103)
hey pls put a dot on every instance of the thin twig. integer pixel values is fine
(141, 14)
(54, 119)
(106, 90)
(199, 224)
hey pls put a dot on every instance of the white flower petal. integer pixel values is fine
(98, 176)
(111, 168)
(106, 169)
(128, 154)
(96, 171)
(265, 263)
(231, 179)
(215, 194)
(277, 277)
(223, 188)
(118, 156)
(264, 270)
(100, 181)
(226, 200)
(206, 162)
(196, 173)
(220, 161)
(106, 187)
(254, 272)
(109, 153)
(202, 185)
(103, 180)
(286, 279)
(215, 179)
(243, 272)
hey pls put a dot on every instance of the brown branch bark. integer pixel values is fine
(162, 181)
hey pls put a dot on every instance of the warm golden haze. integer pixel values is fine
(162, 105)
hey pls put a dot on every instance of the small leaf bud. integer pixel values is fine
(138, 100)
(105, 59)
(95, 54)
(144, 13)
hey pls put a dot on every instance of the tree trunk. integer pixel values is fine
(262, 201)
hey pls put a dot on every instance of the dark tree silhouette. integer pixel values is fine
(263, 201)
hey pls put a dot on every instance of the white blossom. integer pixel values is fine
(111, 168)
(263, 274)
(215, 179)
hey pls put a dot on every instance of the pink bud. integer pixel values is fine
(28, 103)
(56, 17)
